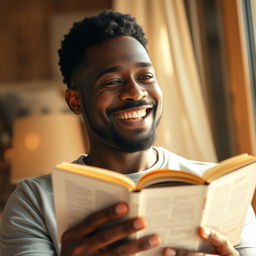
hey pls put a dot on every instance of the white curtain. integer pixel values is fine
(184, 128)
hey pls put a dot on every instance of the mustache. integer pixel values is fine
(130, 104)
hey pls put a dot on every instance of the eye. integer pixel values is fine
(111, 83)
(146, 77)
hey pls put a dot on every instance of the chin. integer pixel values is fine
(131, 146)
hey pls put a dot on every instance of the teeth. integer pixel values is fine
(132, 115)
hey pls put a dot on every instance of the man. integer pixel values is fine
(112, 83)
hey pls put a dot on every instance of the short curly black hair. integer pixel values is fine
(91, 31)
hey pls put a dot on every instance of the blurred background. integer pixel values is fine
(204, 55)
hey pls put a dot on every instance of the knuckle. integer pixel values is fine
(91, 222)
(220, 238)
(144, 244)
(128, 227)
(75, 251)
(104, 237)
(84, 250)
(105, 214)
(121, 250)
(214, 235)
(109, 214)
(225, 243)
(91, 219)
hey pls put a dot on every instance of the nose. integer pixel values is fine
(133, 91)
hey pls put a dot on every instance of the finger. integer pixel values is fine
(215, 238)
(219, 241)
(106, 237)
(182, 252)
(95, 220)
(134, 246)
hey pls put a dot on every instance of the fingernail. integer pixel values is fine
(139, 223)
(206, 232)
(154, 241)
(121, 209)
(170, 252)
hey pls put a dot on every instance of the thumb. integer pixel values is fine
(220, 242)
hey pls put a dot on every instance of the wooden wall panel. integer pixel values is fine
(25, 41)
(71, 6)
(25, 31)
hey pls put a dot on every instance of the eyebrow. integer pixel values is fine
(144, 64)
(109, 70)
(117, 68)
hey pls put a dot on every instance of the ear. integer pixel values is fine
(72, 99)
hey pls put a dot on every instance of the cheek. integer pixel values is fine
(157, 95)
(100, 104)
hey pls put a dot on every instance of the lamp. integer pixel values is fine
(42, 141)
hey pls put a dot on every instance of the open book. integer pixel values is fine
(175, 203)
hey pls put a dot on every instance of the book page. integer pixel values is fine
(174, 213)
(228, 165)
(98, 173)
(76, 197)
(228, 200)
(161, 177)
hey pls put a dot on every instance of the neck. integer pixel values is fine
(121, 162)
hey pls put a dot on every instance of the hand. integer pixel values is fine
(222, 245)
(88, 239)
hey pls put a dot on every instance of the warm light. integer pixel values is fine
(32, 141)
(165, 46)
(40, 142)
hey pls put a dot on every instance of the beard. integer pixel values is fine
(130, 146)
(116, 140)
(127, 145)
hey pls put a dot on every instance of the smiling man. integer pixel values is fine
(112, 83)
(121, 101)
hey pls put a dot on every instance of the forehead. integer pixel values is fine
(115, 51)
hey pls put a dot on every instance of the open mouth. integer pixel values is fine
(133, 114)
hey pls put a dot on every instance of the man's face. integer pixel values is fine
(121, 99)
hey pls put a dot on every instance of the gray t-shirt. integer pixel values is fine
(28, 225)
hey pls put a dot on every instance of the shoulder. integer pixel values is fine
(30, 195)
(42, 182)
(29, 216)
(171, 160)
(37, 187)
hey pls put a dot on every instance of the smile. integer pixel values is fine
(133, 115)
